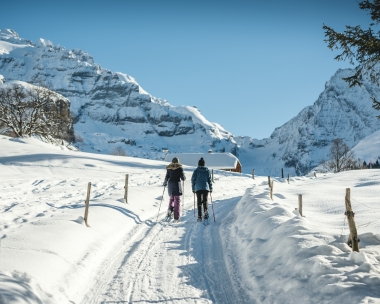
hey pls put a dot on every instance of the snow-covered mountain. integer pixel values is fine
(112, 110)
(339, 111)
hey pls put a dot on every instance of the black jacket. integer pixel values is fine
(174, 175)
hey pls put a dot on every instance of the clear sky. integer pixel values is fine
(248, 65)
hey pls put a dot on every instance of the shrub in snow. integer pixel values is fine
(118, 151)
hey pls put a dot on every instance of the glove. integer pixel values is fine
(193, 191)
(165, 184)
(210, 191)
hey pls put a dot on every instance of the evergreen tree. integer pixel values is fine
(364, 165)
(360, 45)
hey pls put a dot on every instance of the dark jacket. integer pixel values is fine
(201, 179)
(174, 175)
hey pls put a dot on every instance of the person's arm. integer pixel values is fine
(193, 181)
(166, 178)
(209, 181)
(183, 177)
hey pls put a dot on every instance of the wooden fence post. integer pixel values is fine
(288, 178)
(353, 237)
(282, 172)
(269, 182)
(300, 204)
(315, 174)
(126, 188)
(253, 173)
(87, 204)
(271, 191)
(212, 172)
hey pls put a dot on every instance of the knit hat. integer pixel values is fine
(175, 160)
(201, 162)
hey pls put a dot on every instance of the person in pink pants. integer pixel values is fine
(174, 175)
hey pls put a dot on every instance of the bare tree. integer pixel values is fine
(28, 110)
(118, 151)
(341, 157)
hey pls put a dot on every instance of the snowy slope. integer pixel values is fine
(368, 149)
(285, 258)
(257, 251)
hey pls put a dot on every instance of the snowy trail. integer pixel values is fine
(171, 263)
(258, 251)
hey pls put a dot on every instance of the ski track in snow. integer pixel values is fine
(171, 263)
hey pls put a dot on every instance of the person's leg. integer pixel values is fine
(177, 203)
(199, 203)
(204, 202)
(171, 204)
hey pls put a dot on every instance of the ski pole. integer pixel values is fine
(212, 207)
(194, 204)
(160, 203)
(183, 203)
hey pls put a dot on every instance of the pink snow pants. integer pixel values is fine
(175, 201)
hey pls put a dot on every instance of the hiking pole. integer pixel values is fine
(160, 203)
(183, 203)
(212, 207)
(194, 204)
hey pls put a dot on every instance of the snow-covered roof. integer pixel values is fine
(213, 160)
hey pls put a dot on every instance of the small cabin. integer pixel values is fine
(216, 161)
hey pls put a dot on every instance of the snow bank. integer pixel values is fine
(286, 258)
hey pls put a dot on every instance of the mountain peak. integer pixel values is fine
(8, 32)
(44, 43)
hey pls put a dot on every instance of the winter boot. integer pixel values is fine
(206, 215)
(199, 219)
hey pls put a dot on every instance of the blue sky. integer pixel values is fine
(248, 65)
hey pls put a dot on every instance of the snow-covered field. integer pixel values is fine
(257, 251)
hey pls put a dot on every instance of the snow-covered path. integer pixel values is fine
(258, 251)
(171, 263)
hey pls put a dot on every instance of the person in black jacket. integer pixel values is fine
(174, 175)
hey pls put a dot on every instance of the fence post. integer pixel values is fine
(253, 173)
(315, 174)
(300, 204)
(271, 191)
(353, 237)
(282, 172)
(126, 188)
(288, 178)
(212, 173)
(87, 204)
(269, 182)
